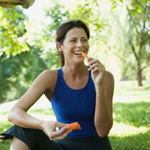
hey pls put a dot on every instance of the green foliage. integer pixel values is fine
(116, 27)
(56, 15)
(18, 72)
(12, 31)
(131, 37)
(20, 62)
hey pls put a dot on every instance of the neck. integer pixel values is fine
(74, 71)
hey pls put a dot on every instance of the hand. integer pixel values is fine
(50, 128)
(98, 71)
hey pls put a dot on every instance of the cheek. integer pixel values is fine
(87, 45)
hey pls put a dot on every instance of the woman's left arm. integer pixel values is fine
(104, 86)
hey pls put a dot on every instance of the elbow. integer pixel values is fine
(10, 117)
(102, 133)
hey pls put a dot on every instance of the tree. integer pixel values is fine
(139, 34)
(56, 15)
(18, 72)
(12, 31)
(20, 62)
(130, 39)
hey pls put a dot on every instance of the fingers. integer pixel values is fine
(58, 124)
(60, 134)
(96, 65)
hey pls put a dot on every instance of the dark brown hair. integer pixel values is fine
(64, 28)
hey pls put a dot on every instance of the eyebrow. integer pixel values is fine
(76, 38)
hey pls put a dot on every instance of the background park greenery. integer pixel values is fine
(120, 38)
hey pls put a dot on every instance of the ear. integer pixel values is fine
(59, 47)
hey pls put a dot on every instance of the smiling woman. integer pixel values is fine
(78, 93)
(79, 29)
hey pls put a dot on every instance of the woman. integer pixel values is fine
(78, 93)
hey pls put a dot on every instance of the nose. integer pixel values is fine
(79, 44)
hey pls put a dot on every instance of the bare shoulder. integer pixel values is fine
(49, 77)
(49, 73)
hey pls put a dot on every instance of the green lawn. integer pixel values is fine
(131, 111)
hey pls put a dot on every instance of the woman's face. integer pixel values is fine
(75, 43)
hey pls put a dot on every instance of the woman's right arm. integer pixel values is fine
(18, 115)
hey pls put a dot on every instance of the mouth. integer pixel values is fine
(79, 53)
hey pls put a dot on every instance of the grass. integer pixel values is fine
(134, 114)
(131, 111)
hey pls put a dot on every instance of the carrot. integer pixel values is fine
(74, 126)
(85, 55)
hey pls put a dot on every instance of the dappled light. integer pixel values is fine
(120, 39)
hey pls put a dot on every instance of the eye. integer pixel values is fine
(73, 40)
(84, 40)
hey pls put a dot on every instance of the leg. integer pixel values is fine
(29, 139)
(17, 144)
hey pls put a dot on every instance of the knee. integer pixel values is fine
(18, 144)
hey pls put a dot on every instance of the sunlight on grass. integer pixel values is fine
(126, 137)
(131, 142)
(122, 130)
(134, 114)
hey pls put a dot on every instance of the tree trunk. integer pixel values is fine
(138, 61)
(139, 77)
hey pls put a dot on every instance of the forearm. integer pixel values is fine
(20, 118)
(103, 119)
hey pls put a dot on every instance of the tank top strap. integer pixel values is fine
(89, 84)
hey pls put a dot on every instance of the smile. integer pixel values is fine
(79, 53)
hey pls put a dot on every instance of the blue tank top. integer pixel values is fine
(71, 105)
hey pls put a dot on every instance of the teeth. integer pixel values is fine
(78, 52)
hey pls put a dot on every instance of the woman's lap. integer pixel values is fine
(38, 140)
(33, 138)
(90, 143)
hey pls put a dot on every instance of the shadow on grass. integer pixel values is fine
(135, 114)
(133, 142)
